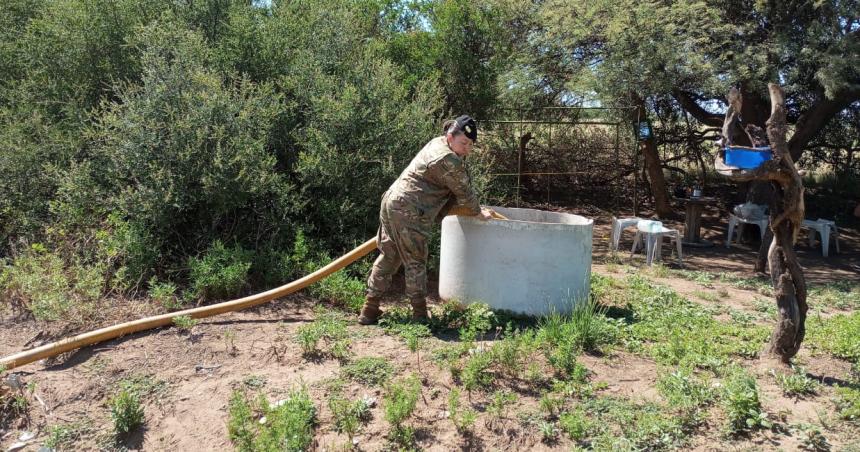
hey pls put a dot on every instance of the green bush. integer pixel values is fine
(164, 294)
(219, 273)
(740, 400)
(369, 370)
(257, 426)
(329, 327)
(463, 418)
(837, 335)
(348, 416)
(398, 404)
(848, 403)
(576, 424)
(40, 282)
(796, 383)
(126, 412)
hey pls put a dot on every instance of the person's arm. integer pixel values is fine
(453, 175)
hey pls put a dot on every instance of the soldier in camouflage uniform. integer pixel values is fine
(434, 181)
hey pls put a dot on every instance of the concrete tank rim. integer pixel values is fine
(581, 221)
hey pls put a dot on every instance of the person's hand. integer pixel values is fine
(485, 214)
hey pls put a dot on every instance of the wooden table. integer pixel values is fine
(693, 220)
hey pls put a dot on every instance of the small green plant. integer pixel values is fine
(348, 416)
(741, 403)
(848, 403)
(551, 404)
(414, 342)
(707, 296)
(230, 341)
(477, 320)
(254, 381)
(683, 390)
(399, 403)
(257, 425)
(330, 328)
(548, 432)
(64, 436)
(164, 294)
(811, 438)
(185, 322)
(796, 383)
(126, 412)
(576, 424)
(463, 419)
(499, 402)
(369, 370)
(220, 272)
(475, 373)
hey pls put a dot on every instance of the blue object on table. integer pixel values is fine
(747, 158)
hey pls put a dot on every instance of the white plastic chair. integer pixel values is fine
(747, 213)
(618, 226)
(653, 233)
(825, 230)
(737, 223)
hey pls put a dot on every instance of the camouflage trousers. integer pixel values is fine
(402, 239)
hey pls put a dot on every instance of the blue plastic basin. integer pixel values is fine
(747, 158)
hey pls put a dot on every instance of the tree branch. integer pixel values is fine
(813, 120)
(691, 106)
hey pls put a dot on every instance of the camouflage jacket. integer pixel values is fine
(434, 181)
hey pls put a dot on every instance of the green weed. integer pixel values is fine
(463, 419)
(740, 400)
(330, 328)
(683, 390)
(348, 416)
(476, 374)
(796, 383)
(64, 436)
(41, 282)
(837, 335)
(399, 403)
(220, 272)
(707, 296)
(126, 411)
(164, 294)
(619, 424)
(548, 431)
(760, 285)
(256, 425)
(576, 424)
(369, 370)
(844, 295)
(700, 277)
(185, 322)
(499, 402)
(848, 403)
(254, 381)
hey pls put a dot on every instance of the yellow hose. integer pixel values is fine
(111, 332)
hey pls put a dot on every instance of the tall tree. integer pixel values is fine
(692, 52)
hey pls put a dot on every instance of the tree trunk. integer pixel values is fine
(653, 166)
(786, 215)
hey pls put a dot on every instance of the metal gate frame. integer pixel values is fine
(617, 124)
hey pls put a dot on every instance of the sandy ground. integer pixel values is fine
(200, 370)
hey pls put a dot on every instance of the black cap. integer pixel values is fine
(467, 125)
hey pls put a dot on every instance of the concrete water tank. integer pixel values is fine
(533, 263)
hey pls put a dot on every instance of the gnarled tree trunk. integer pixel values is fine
(785, 218)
